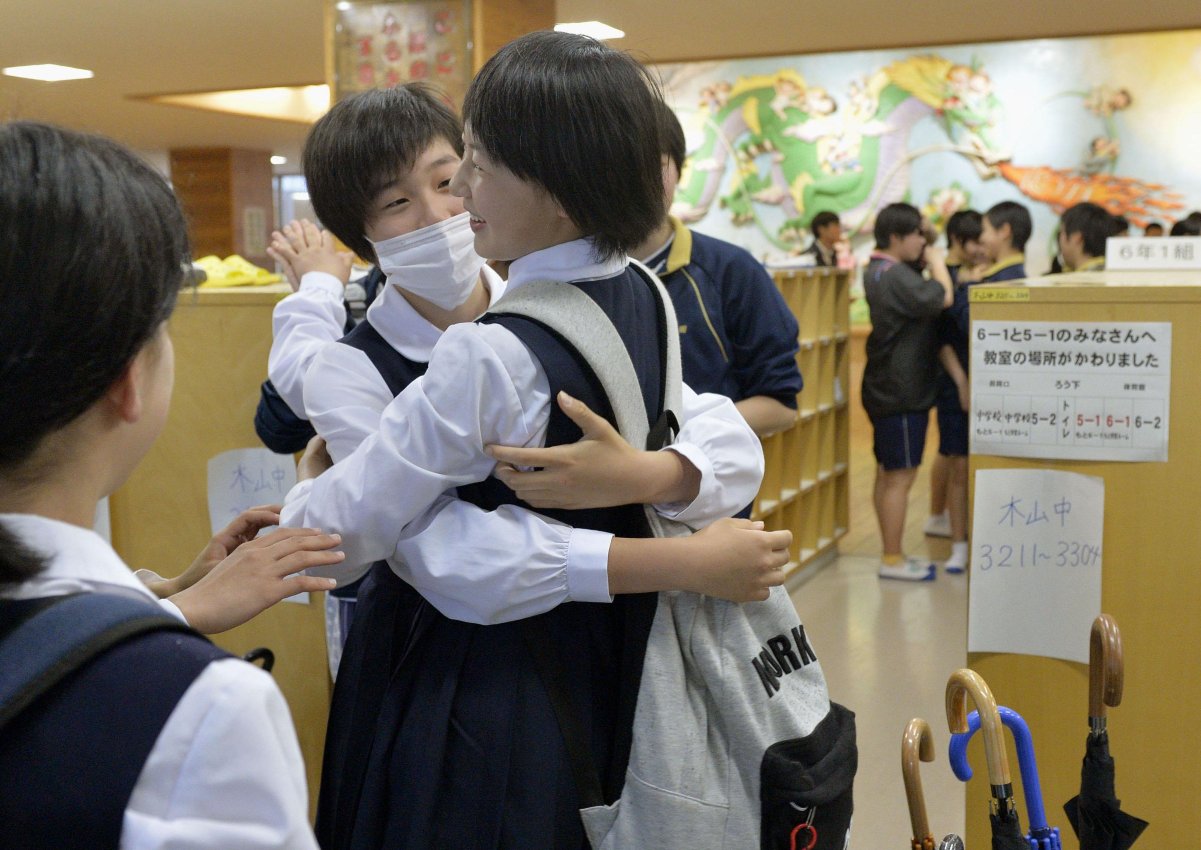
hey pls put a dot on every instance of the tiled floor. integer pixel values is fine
(887, 648)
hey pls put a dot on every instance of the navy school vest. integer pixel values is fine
(69, 762)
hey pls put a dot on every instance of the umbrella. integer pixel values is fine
(917, 743)
(1095, 814)
(1006, 828)
(951, 842)
(1041, 836)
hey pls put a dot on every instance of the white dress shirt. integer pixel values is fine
(225, 772)
(302, 324)
(484, 387)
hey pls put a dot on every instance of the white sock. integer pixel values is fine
(958, 554)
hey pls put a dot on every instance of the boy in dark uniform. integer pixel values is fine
(900, 378)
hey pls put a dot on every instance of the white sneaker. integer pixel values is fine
(938, 525)
(910, 569)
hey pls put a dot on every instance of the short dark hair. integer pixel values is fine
(569, 114)
(1120, 224)
(898, 220)
(1017, 217)
(1093, 222)
(671, 136)
(1187, 226)
(365, 142)
(964, 226)
(823, 220)
(1151, 224)
(93, 248)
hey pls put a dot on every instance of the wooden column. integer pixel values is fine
(228, 199)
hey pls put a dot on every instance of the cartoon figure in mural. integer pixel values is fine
(795, 147)
(851, 160)
(1096, 179)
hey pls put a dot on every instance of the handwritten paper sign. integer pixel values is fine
(244, 478)
(1036, 562)
(1072, 390)
(1152, 254)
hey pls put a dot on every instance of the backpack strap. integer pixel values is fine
(583, 324)
(62, 635)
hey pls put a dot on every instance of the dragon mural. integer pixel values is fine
(794, 147)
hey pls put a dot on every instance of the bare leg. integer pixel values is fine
(939, 474)
(957, 497)
(892, 499)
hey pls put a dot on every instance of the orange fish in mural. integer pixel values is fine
(1061, 188)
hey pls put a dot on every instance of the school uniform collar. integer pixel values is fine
(406, 330)
(1092, 264)
(78, 559)
(681, 247)
(997, 268)
(828, 255)
(566, 262)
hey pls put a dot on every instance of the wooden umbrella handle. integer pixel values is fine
(1106, 672)
(966, 682)
(917, 743)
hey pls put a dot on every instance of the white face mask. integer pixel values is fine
(437, 263)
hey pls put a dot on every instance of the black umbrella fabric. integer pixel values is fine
(1096, 814)
(1007, 831)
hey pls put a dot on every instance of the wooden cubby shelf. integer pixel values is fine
(805, 483)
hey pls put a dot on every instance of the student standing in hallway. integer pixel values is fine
(900, 378)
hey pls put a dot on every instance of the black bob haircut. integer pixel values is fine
(571, 115)
(1093, 222)
(93, 250)
(1017, 217)
(964, 226)
(823, 220)
(671, 137)
(898, 220)
(364, 143)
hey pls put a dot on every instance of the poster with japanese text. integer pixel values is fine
(1071, 390)
(1036, 562)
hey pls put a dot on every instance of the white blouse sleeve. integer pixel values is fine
(721, 445)
(474, 565)
(482, 387)
(226, 770)
(302, 325)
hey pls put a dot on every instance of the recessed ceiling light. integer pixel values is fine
(301, 104)
(48, 73)
(595, 29)
(342, 6)
(279, 160)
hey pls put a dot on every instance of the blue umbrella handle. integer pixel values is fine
(1024, 744)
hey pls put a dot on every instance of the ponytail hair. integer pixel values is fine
(93, 249)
